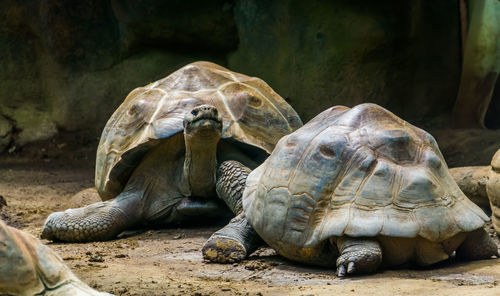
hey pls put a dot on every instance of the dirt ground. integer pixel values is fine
(41, 179)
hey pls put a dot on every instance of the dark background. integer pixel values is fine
(65, 66)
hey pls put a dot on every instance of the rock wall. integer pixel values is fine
(403, 55)
(66, 66)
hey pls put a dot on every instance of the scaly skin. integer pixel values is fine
(238, 239)
(152, 194)
(96, 222)
(477, 246)
(232, 176)
(357, 255)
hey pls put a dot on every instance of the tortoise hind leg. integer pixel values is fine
(478, 245)
(95, 222)
(357, 255)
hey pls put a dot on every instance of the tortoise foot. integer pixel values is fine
(96, 222)
(223, 250)
(358, 256)
(232, 243)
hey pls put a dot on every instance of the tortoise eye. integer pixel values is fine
(194, 112)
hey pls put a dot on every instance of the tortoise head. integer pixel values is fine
(203, 120)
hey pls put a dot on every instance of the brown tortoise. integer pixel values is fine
(353, 188)
(158, 154)
(27, 267)
(482, 185)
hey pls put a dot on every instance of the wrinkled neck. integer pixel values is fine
(200, 164)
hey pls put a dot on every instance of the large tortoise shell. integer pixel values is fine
(357, 172)
(252, 113)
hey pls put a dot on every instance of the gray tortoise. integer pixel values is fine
(27, 267)
(353, 188)
(158, 154)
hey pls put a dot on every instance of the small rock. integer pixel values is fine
(95, 285)
(256, 265)
(96, 258)
(3, 202)
(122, 290)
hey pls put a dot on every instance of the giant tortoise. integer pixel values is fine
(27, 267)
(482, 185)
(353, 188)
(158, 154)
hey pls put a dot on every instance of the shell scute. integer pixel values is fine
(364, 221)
(356, 169)
(466, 222)
(432, 160)
(276, 206)
(435, 222)
(394, 143)
(418, 188)
(299, 217)
(313, 167)
(378, 187)
(399, 222)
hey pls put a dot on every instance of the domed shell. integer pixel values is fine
(357, 172)
(252, 113)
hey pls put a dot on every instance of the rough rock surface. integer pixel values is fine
(67, 66)
(401, 55)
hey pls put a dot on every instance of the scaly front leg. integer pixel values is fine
(95, 222)
(238, 239)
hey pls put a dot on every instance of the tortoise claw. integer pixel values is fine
(351, 268)
(358, 256)
(341, 271)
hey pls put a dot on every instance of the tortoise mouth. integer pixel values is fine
(204, 125)
(206, 117)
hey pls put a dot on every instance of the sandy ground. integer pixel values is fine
(36, 182)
